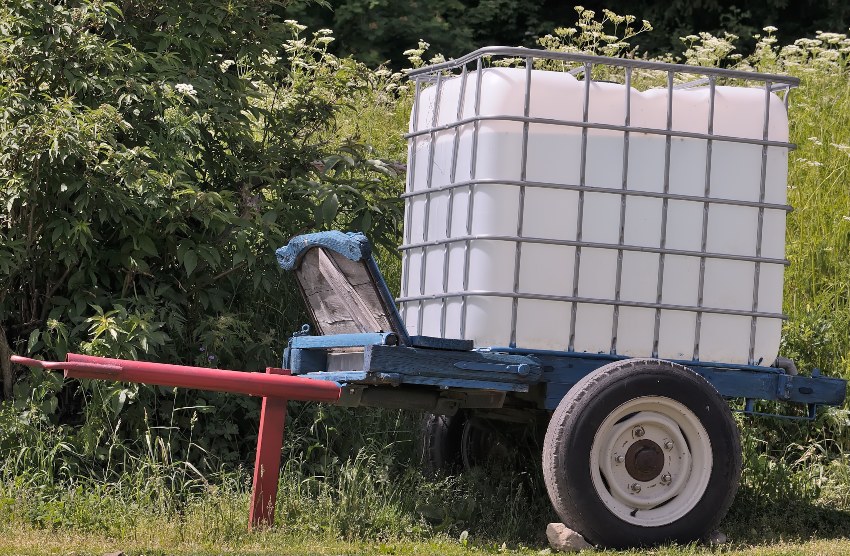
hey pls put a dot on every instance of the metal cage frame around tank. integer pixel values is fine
(436, 75)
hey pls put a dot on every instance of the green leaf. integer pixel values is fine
(330, 206)
(365, 221)
(34, 336)
(146, 244)
(190, 261)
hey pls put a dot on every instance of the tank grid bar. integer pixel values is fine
(408, 217)
(760, 227)
(596, 125)
(431, 148)
(517, 52)
(595, 189)
(665, 203)
(461, 97)
(437, 74)
(580, 217)
(705, 207)
(595, 301)
(594, 245)
(621, 238)
(470, 205)
(529, 63)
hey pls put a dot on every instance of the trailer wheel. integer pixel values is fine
(441, 442)
(640, 452)
(465, 441)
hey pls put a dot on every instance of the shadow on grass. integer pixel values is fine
(757, 520)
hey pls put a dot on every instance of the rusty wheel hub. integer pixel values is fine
(644, 460)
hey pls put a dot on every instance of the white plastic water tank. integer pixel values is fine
(492, 230)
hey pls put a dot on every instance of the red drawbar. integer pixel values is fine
(183, 376)
(276, 390)
(267, 463)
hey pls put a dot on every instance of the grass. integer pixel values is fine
(167, 538)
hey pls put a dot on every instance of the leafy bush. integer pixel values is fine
(152, 157)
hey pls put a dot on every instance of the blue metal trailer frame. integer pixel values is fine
(443, 375)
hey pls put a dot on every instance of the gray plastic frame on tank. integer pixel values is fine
(435, 75)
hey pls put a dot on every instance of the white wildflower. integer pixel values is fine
(807, 43)
(770, 29)
(831, 38)
(225, 65)
(295, 25)
(185, 89)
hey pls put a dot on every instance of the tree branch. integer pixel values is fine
(45, 307)
(5, 365)
(226, 272)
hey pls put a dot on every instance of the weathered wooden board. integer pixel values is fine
(341, 294)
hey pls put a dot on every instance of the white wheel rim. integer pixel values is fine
(625, 452)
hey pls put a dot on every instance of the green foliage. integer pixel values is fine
(379, 31)
(152, 158)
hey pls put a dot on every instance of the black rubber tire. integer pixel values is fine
(441, 444)
(574, 425)
(464, 441)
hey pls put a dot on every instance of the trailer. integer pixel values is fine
(583, 249)
(595, 243)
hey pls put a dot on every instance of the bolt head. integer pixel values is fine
(666, 479)
(668, 445)
(619, 458)
(638, 431)
(634, 487)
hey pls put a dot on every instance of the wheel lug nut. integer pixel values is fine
(666, 479)
(668, 445)
(634, 487)
(619, 458)
(638, 431)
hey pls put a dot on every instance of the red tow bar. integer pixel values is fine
(276, 388)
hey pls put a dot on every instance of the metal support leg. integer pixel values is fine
(267, 464)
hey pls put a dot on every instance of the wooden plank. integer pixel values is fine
(441, 343)
(341, 294)
(419, 362)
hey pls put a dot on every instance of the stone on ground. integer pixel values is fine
(564, 539)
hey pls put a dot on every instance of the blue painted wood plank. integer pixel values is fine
(441, 343)
(343, 340)
(408, 361)
(465, 383)
(356, 377)
(344, 378)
